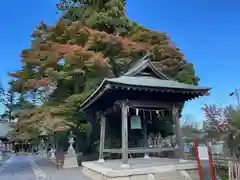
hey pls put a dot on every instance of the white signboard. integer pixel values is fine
(186, 148)
(203, 152)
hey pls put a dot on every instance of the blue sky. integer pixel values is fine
(207, 32)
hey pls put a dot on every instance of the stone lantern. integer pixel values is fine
(70, 158)
(43, 136)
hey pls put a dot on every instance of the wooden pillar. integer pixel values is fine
(102, 138)
(175, 115)
(124, 134)
(88, 134)
(145, 135)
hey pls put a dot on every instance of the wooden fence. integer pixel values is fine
(234, 170)
(232, 165)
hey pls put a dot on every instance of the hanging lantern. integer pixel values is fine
(136, 122)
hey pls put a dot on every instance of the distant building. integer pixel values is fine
(5, 129)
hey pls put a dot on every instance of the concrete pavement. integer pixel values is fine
(23, 167)
(17, 168)
(54, 174)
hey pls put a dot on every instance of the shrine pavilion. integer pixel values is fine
(141, 87)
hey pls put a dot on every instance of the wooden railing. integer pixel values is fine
(139, 150)
(232, 165)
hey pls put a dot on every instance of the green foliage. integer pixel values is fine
(108, 15)
(187, 75)
(2, 94)
(8, 101)
(234, 116)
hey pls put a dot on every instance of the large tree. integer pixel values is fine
(222, 123)
(92, 40)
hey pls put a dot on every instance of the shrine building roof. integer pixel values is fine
(143, 76)
(152, 82)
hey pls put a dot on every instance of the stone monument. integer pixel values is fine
(70, 158)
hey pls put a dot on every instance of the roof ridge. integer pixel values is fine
(142, 64)
(136, 66)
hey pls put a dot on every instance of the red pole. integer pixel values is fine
(212, 171)
(198, 159)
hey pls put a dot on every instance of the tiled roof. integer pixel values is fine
(143, 75)
(145, 81)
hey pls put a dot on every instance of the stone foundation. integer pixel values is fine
(70, 162)
(142, 169)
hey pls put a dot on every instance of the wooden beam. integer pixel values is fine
(102, 138)
(149, 104)
(175, 116)
(124, 133)
(140, 150)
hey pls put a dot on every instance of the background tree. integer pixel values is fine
(7, 99)
(222, 123)
(2, 97)
(216, 121)
(2, 94)
(234, 130)
(91, 41)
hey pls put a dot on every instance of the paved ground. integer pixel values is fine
(24, 167)
(4, 158)
(62, 174)
(17, 168)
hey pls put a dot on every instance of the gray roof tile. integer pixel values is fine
(146, 81)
